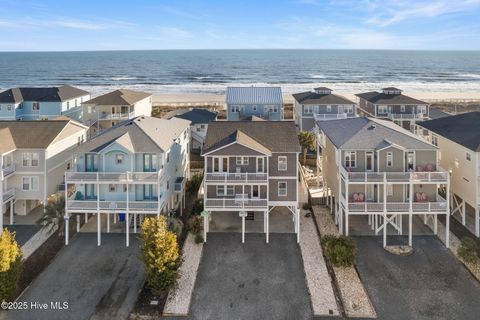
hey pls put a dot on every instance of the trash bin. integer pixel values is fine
(121, 217)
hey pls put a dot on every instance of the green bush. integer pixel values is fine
(340, 251)
(198, 238)
(10, 264)
(194, 183)
(468, 250)
(197, 207)
(194, 225)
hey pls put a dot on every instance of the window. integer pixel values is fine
(260, 164)
(30, 183)
(111, 188)
(275, 108)
(198, 129)
(225, 191)
(9, 107)
(255, 191)
(235, 109)
(389, 190)
(389, 159)
(202, 126)
(119, 158)
(308, 109)
(241, 161)
(468, 156)
(168, 157)
(434, 140)
(30, 159)
(382, 109)
(350, 159)
(348, 109)
(282, 188)
(35, 106)
(124, 188)
(402, 108)
(329, 108)
(68, 105)
(282, 163)
(69, 165)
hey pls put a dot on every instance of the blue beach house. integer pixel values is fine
(42, 103)
(243, 103)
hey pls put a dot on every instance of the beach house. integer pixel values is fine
(243, 103)
(199, 120)
(107, 110)
(393, 105)
(375, 172)
(458, 140)
(251, 168)
(42, 103)
(33, 158)
(318, 105)
(138, 167)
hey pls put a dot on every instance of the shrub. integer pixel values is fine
(198, 238)
(194, 183)
(340, 251)
(197, 207)
(467, 250)
(307, 206)
(10, 264)
(159, 253)
(194, 225)
(175, 225)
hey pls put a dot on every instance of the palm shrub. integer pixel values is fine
(53, 216)
(10, 263)
(341, 251)
(307, 141)
(467, 250)
(160, 254)
(194, 183)
(197, 207)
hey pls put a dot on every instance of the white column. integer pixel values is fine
(384, 230)
(108, 222)
(477, 222)
(127, 224)
(346, 206)
(435, 224)
(114, 218)
(298, 225)
(346, 222)
(99, 231)
(78, 222)
(11, 211)
(134, 223)
(264, 221)
(67, 228)
(447, 218)
(1, 217)
(86, 216)
(268, 227)
(205, 222)
(243, 229)
(410, 229)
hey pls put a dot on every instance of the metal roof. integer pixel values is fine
(254, 95)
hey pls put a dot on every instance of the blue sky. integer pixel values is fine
(206, 24)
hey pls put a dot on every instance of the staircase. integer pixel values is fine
(250, 215)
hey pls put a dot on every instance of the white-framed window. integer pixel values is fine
(202, 126)
(234, 108)
(308, 108)
(282, 163)
(282, 188)
(260, 164)
(30, 183)
(198, 129)
(389, 159)
(468, 156)
(329, 108)
(350, 159)
(119, 158)
(124, 188)
(225, 191)
(256, 191)
(30, 159)
(35, 106)
(402, 108)
(112, 188)
(434, 140)
(168, 184)
(382, 109)
(389, 190)
(421, 109)
(348, 109)
(241, 161)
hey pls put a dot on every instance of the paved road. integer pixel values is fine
(254, 280)
(429, 284)
(99, 282)
(23, 232)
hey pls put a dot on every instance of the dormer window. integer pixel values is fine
(322, 90)
(391, 90)
(35, 106)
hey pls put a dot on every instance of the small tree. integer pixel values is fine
(307, 141)
(53, 216)
(159, 253)
(10, 263)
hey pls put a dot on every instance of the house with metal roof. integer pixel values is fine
(244, 102)
(320, 104)
(251, 167)
(108, 110)
(33, 158)
(199, 119)
(458, 140)
(37, 103)
(377, 173)
(138, 167)
(393, 105)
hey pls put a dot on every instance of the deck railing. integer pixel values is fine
(440, 176)
(406, 116)
(329, 116)
(7, 170)
(8, 194)
(116, 116)
(392, 207)
(236, 203)
(223, 177)
(92, 177)
(113, 206)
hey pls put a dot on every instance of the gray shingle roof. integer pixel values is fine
(140, 135)
(370, 134)
(254, 95)
(463, 129)
(276, 136)
(195, 115)
(392, 99)
(315, 98)
(47, 94)
(118, 98)
(437, 114)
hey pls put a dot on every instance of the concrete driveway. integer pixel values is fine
(429, 284)
(253, 280)
(96, 282)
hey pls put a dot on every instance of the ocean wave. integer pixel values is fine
(120, 78)
(470, 75)
(317, 76)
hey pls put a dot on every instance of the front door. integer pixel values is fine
(411, 160)
(149, 162)
(90, 165)
(369, 161)
(220, 164)
(148, 192)
(90, 191)
(370, 192)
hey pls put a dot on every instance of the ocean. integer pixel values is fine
(210, 71)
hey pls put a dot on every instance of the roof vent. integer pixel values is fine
(373, 126)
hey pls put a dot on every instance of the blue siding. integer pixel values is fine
(263, 111)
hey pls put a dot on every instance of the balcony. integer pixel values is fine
(235, 203)
(439, 176)
(112, 206)
(8, 170)
(398, 207)
(113, 177)
(224, 177)
(116, 116)
(329, 116)
(406, 116)
(8, 194)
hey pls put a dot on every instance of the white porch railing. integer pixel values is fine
(113, 206)
(440, 176)
(116, 116)
(329, 116)
(236, 203)
(8, 194)
(392, 207)
(85, 177)
(219, 177)
(8, 170)
(406, 116)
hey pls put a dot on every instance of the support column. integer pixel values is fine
(108, 222)
(243, 229)
(346, 222)
(114, 218)
(127, 224)
(99, 230)
(268, 227)
(264, 221)
(86, 218)
(464, 213)
(298, 225)
(435, 224)
(11, 212)
(78, 222)
(384, 230)
(477, 222)
(447, 218)
(134, 223)
(67, 228)
(410, 229)
(1, 219)
(205, 223)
